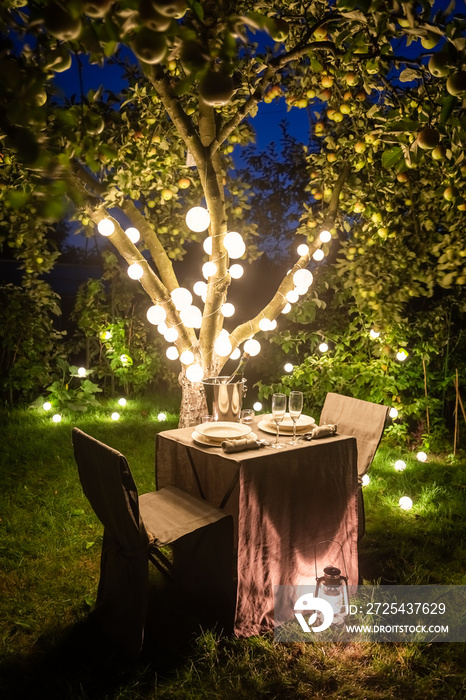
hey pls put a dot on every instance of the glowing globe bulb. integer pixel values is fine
(325, 236)
(401, 355)
(257, 406)
(105, 227)
(56, 418)
(292, 296)
(198, 219)
(133, 234)
(187, 357)
(194, 373)
(318, 255)
(115, 416)
(287, 308)
(374, 334)
(236, 354)
(252, 346)
(234, 244)
(191, 317)
(303, 249)
(236, 271)
(135, 271)
(288, 367)
(106, 335)
(264, 324)
(82, 371)
(405, 503)
(209, 269)
(366, 480)
(273, 325)
(207, 245)
(227, 309)
(181, 297)
(162, 416)
(162, 328)
(122, 402)
(222, 345)
(400, 465)
(393, 413)
(47, 406)
(124, 359)
(421, 457)
(200, 288)
(303, 278)
(170, 335)
(156, 314)
(172, 352)
(323, 347)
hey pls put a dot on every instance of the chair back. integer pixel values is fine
(362, 419)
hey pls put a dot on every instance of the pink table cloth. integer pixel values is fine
(283, 502)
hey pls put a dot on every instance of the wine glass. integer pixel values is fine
(295, 407)
(278, 413)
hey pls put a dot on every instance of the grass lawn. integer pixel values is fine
(49, 569)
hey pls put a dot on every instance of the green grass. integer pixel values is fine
(49, 561)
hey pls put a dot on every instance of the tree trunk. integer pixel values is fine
(193, 402)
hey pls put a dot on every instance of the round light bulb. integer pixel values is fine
(170, 335)
(303, 249)
(236, 271)
(105, 227)
(227, 309)
(292, 296)
(162, 328)
(200, 288)
(122, 402)
(135, 271)
(252, 346)
(236, 354)
(325, 236)
(257, 406)
(161, 416)
(421, 457)
(374, 334)
(222, 345)
(323, 347)
(287, 308)
(234, 244)
(400, 465)
(273, 324)
(198, 219)
(264, 324)
(401, 355)
(318, 255)
(207, 245)
(288, 367)
(115, 415)
(56, 418)
(187, 357)
(181, 297)
(172, 352)
(303, 278)
(194, 373)
(156, 314)
(393, 413)
(133, 234)
(209, 269)
(47, 406)
(191, 317)
(106, 335)
(405, 503)
(366, 480)
(124, 359)
(82, 371)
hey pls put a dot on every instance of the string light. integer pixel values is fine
(156, 314)
(105, 227)
(115, 416)
(252, 346)
(325, 236)
(236, 271)
(181, 297)
(303, 249)
(401, 355)
(56, 418)
(133, 234)
(257, 406)
(105, 335)
(234, 244)
(200, 288)
(162, 328)
(198, 219)
(303, 278)
(124, 359)
(170, 335)
(288, 367)
(47, 406)
(162, 416)
(400, 466)
(273, 324)
(292, 296)
(264, 324)
(393, 413)
(222, 345)
(207, 245)
(373, 333)
(191, 316)
(227, 309)
(405, 503)
(236, 354)
(421, 457)
(323, 347)
(187, 357)
(122, 402)
(366, 480)
(135, 271)
(194, 373)
(172, 352)
(82, 371)
(287, 308)
(318, 255)
(209, 269)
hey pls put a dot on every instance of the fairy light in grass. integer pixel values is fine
(162, 417)
(366, 480)
(405, 503)
(393, 413)
(257, 406)
(122, 402)
(135, 271)
(56, 418)
(323, 347)
(105, 227)
(133, 234)
(421, 457)
(318, 255)
(47, 406)
(288, 367)
(400, 465)
(325, 236)
(115, 416)
(82, 371)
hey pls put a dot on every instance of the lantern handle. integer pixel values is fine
(342, 555)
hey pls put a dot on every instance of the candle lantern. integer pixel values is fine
(332, 585)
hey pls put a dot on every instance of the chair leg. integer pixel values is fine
(161, 562)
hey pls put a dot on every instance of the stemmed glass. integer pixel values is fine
(295, 408)
(278, 413)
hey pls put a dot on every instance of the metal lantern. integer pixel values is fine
(332, 586)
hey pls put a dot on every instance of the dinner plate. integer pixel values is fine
(271, 428)
(216, 431)
(205, 442)
(303, 423)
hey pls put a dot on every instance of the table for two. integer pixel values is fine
(283, 503)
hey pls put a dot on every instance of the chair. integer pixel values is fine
(366, 422)
(134, 530)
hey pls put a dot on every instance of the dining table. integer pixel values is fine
(286, 505)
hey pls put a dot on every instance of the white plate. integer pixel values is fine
(303, 423)
(267, 428)
(205, 442)
(216, 431)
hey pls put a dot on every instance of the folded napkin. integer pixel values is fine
(240, 445)
(320, 432)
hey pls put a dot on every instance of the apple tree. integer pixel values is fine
(388, 76)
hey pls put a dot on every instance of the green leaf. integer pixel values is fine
(197, 8)
(392, 157)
